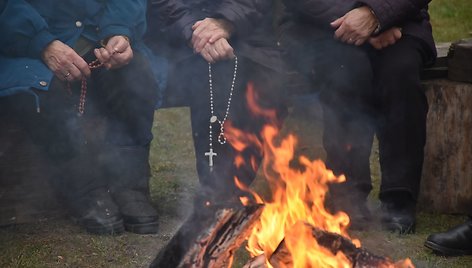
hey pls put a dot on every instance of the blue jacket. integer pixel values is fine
(28, 26)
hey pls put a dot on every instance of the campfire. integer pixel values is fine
(292, 229)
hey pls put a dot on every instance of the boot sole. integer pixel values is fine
(110, 228)
(445, 251)
(399, 228)
(142, 228)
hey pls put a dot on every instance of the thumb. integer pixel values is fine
(337, 23)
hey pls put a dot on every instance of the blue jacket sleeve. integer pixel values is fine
(24, 32)
(123, 18)
(395, 12)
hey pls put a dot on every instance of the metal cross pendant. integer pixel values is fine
(210, 155)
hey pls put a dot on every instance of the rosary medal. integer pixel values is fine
(213, 119)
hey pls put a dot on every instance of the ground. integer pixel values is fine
(57, 242)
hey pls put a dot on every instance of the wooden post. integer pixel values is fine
(446, 185)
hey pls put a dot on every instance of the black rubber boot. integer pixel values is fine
(129, 184)
(84, 191)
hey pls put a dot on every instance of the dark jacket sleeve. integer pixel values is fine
(24, 32)
(321, 12)
(173, 15)
(123, 18)
(245, 15)
(395, 12)
(2, 5)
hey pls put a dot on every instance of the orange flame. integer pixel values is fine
(298, 197)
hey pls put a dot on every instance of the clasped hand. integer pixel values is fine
(356, 28)
(210, 39)
(67, 65)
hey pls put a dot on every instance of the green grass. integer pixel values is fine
(451, 19)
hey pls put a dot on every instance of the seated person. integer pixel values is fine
(216, 49)
(65, 63)
(365, 59)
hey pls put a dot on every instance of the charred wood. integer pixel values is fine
(209, 237)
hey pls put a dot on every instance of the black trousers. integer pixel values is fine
(366, 92)
(119, 112)
(188, 85)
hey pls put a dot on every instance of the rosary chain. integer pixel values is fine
(213, 117)
(83, 86)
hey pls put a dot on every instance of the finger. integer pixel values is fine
(217, 35)
(121, 59)
(337, 23)
(201, 28)
(120, 47)
(202, 42)
(383, 43)
(196, 24)
(397, 33)
(62, 76)
(207, 56)
(117, 44)
(102, 54)
(222, 51)
(73, 73)
(374, 41)
(359, 42)
(198, 39)
(82, 66)
(216, 56)
(341, 33)
(227, 48)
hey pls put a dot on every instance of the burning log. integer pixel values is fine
(209, 238)
(359, 257)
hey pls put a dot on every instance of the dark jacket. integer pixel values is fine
(170, 23)
(311, 18)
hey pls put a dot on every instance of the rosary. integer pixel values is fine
(83, 86)
(213, 118)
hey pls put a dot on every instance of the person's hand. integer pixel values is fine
(356, 26)
(209, 30)
(387, 38)
(64, 62)
(218, 50)
(116, 53)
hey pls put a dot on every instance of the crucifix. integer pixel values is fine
(210, 155)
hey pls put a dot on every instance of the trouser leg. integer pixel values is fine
(127, 97)
(402, 123)
(346, 95)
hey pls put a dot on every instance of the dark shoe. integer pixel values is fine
(398, 218)
(138, 214)
(97, 212)
(359, 214)
(455, 242)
